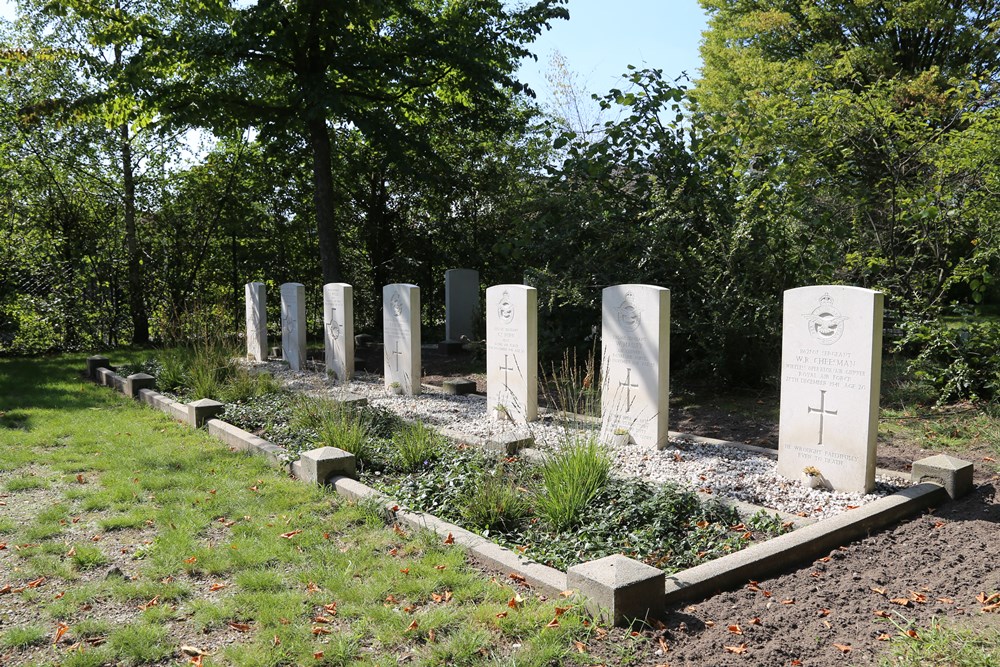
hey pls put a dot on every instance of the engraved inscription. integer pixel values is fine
(822, 413)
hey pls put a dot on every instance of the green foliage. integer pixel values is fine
(570, 479)
(961, 361)
(494, 502)
(416, 446)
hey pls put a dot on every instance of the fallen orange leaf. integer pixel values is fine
(554, 623)
(738, 650)
(276, 641)
(440, 567)
(317, 655)
(902, 602)
(216, 587)
(289, 535)
(312, 588)
(788, 601)
(152, 603)
(582, 648)
(824, 612)
(318, 630)
(36, 583)
(191, 560)
(755, 620)
(332, 608)
(881, 614)
(241, 627)
(399, 531)
(502, 614)
(405, 570)
(450, 539)
(412, 626)
(844, 648)
(735, 629)
(912, 634)
(320, 619)
(515, 602)
(517, 577)
(561, 610)
(883, 637)
(60, 631)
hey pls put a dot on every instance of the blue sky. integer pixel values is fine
(602, 37)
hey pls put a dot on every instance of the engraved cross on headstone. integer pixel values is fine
(822, 412)
(396, 351)
(628, 389)
(505, 370)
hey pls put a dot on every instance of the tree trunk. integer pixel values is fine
(137, 305)
(323, 199)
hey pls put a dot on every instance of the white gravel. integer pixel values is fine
(720, 470)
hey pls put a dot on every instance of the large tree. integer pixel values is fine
(321, 71)
(841, 121)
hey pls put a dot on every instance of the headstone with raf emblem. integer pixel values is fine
(831, 367)
(635, 364)
(401, 336)
(512, 352)
(338, 329)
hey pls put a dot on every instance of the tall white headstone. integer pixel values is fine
(461, 303)
(256, 321)
(831, 367)
(635, 363)
(338, 329)
(293, 325)
(512, 351)
(401, 334)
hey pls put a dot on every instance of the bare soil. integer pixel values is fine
(843, 608)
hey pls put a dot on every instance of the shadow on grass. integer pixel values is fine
(53, 382)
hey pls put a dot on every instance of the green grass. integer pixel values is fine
(191, 515)
(570, 480)
(23, 637)
(943, 646)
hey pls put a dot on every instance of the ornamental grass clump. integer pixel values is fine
(570, 479)
(349, 432)
(416, 446)
(494, 503)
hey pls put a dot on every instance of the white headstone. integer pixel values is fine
(635, 363)
(338, 329)
(831, 367)
(461, 303)
(293, 325)
(256, 321)
(512, 351)
(401, 335)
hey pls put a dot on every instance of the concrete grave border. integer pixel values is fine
(778, 554)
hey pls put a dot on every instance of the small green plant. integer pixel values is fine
(86, 557)
(493, 502)
(416, 446)
(570, 480)
(940, 645)
(348, 432)
(23, 637)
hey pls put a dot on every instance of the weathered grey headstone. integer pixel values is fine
(256, 306)
(512, 352)
(635, 363)
(461, 304)
(338, 329)
(831, 368)
(293, 325)
(401, 336)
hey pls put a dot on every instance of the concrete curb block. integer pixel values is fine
(805, 544)
(243, 441)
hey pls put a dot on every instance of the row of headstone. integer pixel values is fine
(338, 326)
(831, 361)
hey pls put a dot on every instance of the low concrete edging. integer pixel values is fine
(804, 544)
(758, 561)
(244, 441)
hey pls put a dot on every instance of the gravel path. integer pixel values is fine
(721, 470)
